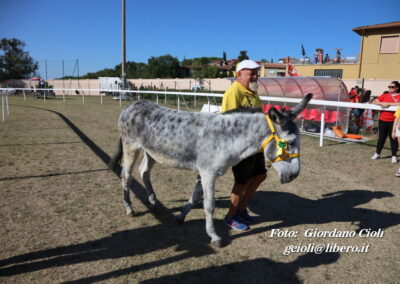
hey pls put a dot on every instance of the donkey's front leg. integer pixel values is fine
(208, 181)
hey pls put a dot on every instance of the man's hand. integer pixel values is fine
(383, 105)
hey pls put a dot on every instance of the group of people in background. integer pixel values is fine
(359, 95)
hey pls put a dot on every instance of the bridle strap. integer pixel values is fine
(277, 159)
(281, 149)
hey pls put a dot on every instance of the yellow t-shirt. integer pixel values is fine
(238, 96)
(397, 113)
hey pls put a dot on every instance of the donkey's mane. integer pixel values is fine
(244, 110)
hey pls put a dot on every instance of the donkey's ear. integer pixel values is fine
(301, 105)
(276, 116)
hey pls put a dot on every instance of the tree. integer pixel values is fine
(243, 55)
(201, 67)
(210, 72)
(15, 63)
(224, 56)
(106, 72)
(164, 66)
(134, 70)
(186, 62)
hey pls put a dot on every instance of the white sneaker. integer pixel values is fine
(394, 160)
(375, 156)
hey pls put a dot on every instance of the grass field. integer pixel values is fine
(62, 218)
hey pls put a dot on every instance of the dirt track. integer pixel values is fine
(62, 219)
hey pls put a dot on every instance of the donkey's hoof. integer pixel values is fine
(152, 204)
(180, 219)
(130, 213)
(217, 244)
(152, 201)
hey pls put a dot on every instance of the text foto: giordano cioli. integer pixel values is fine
(335, 233)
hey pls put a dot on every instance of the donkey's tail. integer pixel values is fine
(115, 161)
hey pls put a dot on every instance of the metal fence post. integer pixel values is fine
(321, 138)
(3, 107)
(7, 108)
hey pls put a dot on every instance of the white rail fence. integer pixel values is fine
(5, 92)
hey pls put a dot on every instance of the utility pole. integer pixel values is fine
(45, 65)
(123, 74)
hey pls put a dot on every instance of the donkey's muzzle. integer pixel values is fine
(287, 178)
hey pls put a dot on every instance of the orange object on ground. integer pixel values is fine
(338, 131)
(353, 136)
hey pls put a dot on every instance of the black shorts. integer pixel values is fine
(248, 168)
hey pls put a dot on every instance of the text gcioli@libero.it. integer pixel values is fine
(327, 247)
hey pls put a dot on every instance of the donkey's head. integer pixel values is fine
(282, 147)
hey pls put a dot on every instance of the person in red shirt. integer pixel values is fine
(357, 112)
(352, 94)
(386, 120)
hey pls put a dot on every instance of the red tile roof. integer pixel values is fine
(274, 66)
(360, 30)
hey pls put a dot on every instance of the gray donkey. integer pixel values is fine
(207, 143)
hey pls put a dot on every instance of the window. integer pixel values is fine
(389, 44)
(337, 73)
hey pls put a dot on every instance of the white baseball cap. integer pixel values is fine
(247, 64)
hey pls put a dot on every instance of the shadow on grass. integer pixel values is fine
(291, 210)
(259, 270)
(53, 174)
(186, 240)
(38, 144)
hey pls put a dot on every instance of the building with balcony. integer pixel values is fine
(379, 56)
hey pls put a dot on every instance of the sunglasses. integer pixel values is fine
(392, 87)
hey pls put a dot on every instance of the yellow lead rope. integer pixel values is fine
(281, 144)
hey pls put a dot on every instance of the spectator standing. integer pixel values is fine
(396, 131)
(386, 120)
(316, 57)
(327, 58)
(356, 112)
(366, 96)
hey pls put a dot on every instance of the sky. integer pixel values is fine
(90, 30)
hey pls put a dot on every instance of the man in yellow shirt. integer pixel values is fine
(251, 172)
